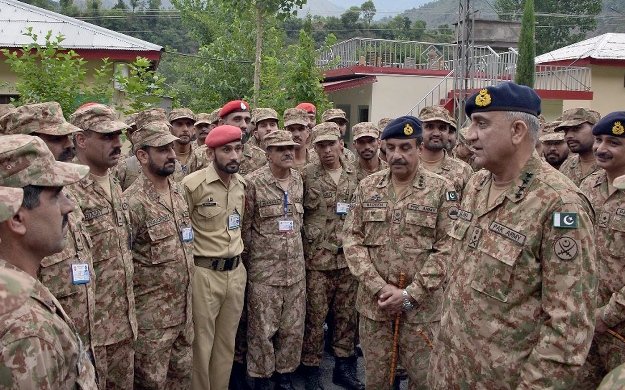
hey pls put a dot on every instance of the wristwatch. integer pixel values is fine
(407, 304)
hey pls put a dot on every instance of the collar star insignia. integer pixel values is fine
(618, 128)
(483, 98)
(408, 130)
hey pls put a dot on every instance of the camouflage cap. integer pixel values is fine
(151, 115)
(42, 118)
(382, 123)
(333, 113)
(130, 120)
(462, 135)
(97, 117)
(203, 118)
(295, 116)
(326, 131)
(577, 116)
(279, 138)
(214, 116)
(549, 134)
(152, 134)
(365, 129)
(10, 202)
(26, 160)
(179, 113)
(261, 114)
(437, 113)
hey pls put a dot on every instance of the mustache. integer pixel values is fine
(65, 221)
(287, 158)
(116, 151)
(67, 154)
(603, 155)
(399, 162)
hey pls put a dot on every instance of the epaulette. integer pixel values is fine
(193, 180)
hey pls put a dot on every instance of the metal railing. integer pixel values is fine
(435, 95)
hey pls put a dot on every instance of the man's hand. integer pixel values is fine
(600, 326)
(390, 299)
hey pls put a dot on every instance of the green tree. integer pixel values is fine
(368, 12)
(526, 69)
(142, 88)
(560, 28)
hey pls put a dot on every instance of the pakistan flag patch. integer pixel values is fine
(565, 220)
(451, 196)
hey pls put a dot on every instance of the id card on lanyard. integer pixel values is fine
(285, 225)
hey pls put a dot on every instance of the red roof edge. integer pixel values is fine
(347, 84)
(564, 95)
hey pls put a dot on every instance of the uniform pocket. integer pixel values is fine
(616, 243)
(493, 276)
(374, 221)
(164, 244)
(210, 217)
(420, 229)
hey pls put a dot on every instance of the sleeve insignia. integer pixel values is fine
(451, 196)
(565, 220)
(483, 99)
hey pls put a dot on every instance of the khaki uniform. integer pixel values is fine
(217, 294)
(129, 169)
(385, 236)
(56, 274)
(107, 222)
(518, 309)
(164, 267)
(329, 284)
(276, 273)
(361, 173)
(39, 346)
(572, 169)
(456, 171)
(607, 352)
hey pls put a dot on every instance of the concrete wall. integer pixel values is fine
(608, 86)
(551, 109)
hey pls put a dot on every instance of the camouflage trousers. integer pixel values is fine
(163, 358)
(606, 353)
(335, 291)
(376, 340)
(275, 328)
(115, 365)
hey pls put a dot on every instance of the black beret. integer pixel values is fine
(612, 124)
(504, 97)
(404, 127)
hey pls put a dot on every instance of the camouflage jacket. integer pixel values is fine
(323, 226)
(199, 159)
(361, 173)
(456, 171)
(55, 273)
(385, 236)
(163, 263)
(518, 310)
(572, 169)
(615, 380)
(39, 346)
(610, 238)
(108, 225)
(251, 159)
(273, 257)
(129, 169)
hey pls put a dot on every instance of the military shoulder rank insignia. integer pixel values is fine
(451, 196)
(483, 98)
(618, 128)
(565, 220)
(408, 130)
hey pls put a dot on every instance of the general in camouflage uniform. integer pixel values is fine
(296, 122)
(107, 221)
(129, 169)
(519, 304)
(576, 123)
(162, 253)
(46, 121)
(328, 189)
(276, 285)
(336, 115)
(437, 127)
(607, 351)
(399, 225)
(367, 145)
(39, 345)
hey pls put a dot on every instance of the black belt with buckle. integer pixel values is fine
(217, 263)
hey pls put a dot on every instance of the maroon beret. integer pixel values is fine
(222, 135)
(308, 107)
(233, 106)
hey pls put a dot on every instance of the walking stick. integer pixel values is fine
(391, 380)
(616, 335)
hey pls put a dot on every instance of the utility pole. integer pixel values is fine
(462, 61)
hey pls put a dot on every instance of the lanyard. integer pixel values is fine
(286, 203)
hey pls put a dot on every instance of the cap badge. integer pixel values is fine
(618, 128)
(243, 106)
(483, 98)
(408, 130)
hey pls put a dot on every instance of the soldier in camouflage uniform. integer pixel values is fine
(463, 152)
(382, 123)
(367, 144)
(106, 219)
(399, 225)
(576, 123)
(264, 121)
(46, 121)
(337, 116)
(163, 264)
(555, 149)
(203, 125)
(129, 169)
(276, 289)
(437, 125)
(200, 158)
(328, 188)
(182, 121)
(607, 351)
(296, 122)
(39, 346)
(518, 308)
(311, 112)
(615, 380)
